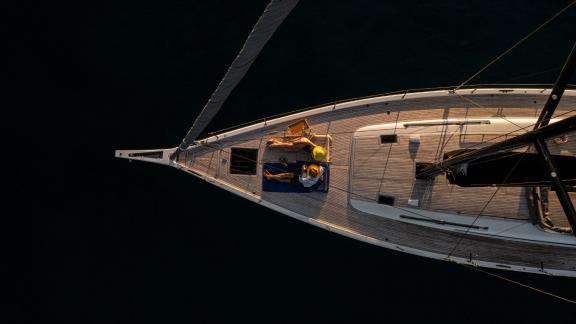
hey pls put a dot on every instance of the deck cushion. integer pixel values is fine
(277, 186)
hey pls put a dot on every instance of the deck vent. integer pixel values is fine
(243, 161)
(390, 138)
(386, 200)
(413, 202)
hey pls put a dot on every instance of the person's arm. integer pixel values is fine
(303, 173)
(309, 141)
(305, 141)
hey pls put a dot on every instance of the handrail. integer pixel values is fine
(451, 88)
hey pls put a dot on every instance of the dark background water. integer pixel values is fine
(95, 239)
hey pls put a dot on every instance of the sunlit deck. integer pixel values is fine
(363, 168)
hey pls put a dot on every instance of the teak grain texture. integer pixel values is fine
(363, 168)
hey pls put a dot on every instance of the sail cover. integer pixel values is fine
(509, 169)
(273, 16)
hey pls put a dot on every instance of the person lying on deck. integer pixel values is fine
(308, 177)
(299, 143)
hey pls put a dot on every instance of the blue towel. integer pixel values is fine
(277, 186)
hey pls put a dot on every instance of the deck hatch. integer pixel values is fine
(386, 200)
(243, 161)
(388, 138)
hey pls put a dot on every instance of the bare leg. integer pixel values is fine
(282, 177)
(278, 145)
(273, 141)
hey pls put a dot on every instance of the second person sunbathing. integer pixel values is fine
(309, 176)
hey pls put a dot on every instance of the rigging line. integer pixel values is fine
(350, 192)
(475, 268)
(473, 117)
(343, 101)
(510, 228)
(395, 130)
(441, 139)
(349, 132)
(475, 162)
(382, 178)
(472, 224)
(482, 143)
(529, 75)
(343, 190)
(486, 205)
(353, 193)
(308, 109)
(516, 45)
(331, 186)
(520, 128)
(486, 109)
(380, 129)
(371, 199)
(444, 143)
(388, 156)
(521, 284)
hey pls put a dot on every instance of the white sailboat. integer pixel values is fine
(478, 175)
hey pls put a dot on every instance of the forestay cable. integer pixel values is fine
(273, 16)
(515, 45)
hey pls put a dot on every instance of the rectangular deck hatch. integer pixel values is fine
(389, 138)
(243, 161)
(386, 200)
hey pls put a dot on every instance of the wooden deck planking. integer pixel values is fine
(389, 170)
(333, 208)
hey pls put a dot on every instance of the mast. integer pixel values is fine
(273, 16)
(542, 148)
(558, 90)
(431, 170)
(557, 184)
(537, 136)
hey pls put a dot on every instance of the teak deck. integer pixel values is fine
(362, 168)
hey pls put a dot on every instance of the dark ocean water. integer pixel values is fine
(100, 240)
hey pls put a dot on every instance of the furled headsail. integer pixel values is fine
(273, 16)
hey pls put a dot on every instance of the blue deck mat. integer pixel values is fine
(277, 186)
